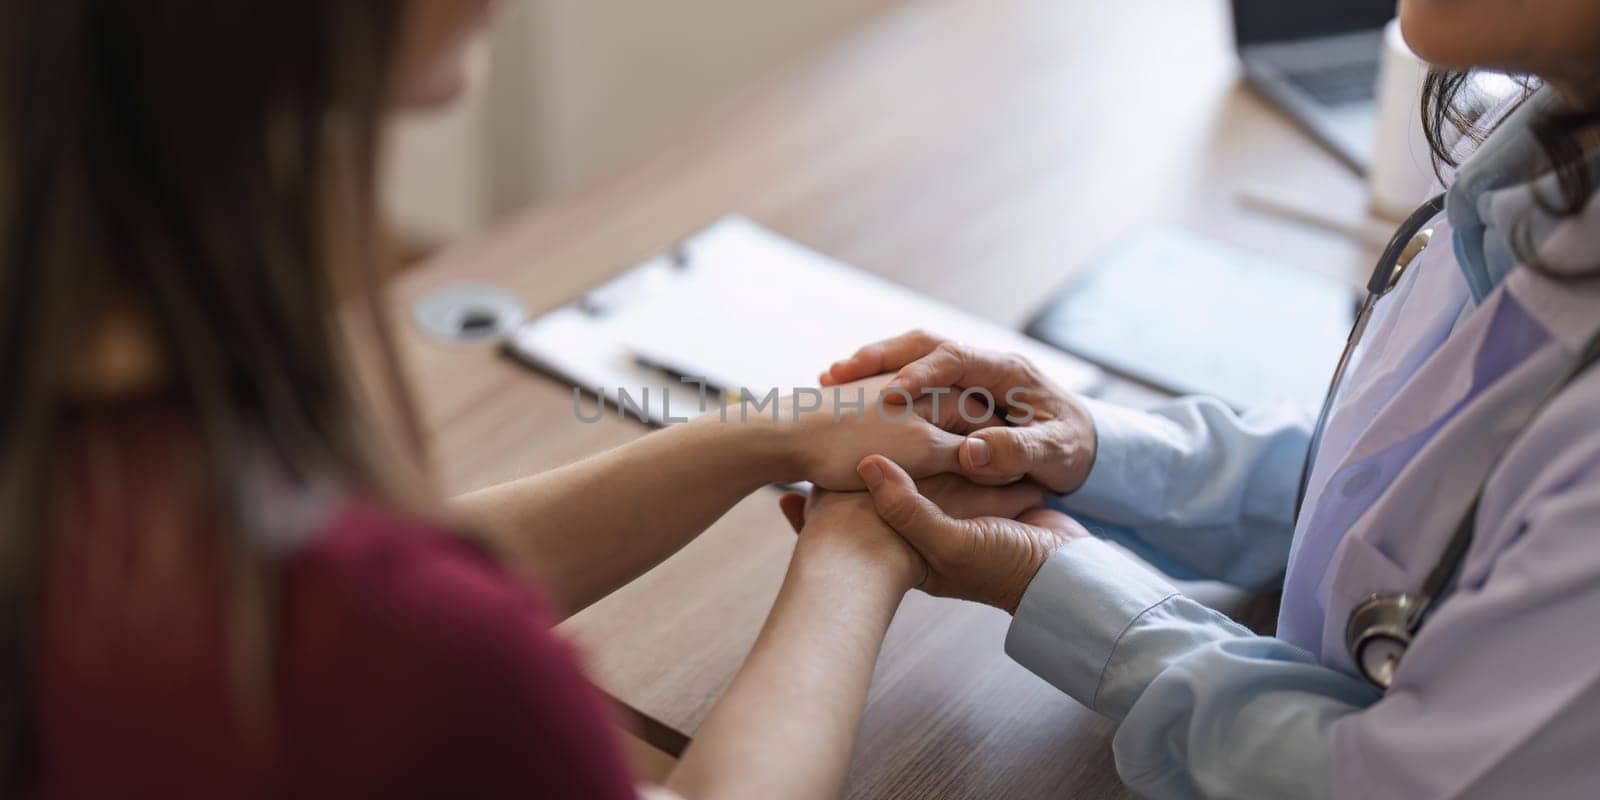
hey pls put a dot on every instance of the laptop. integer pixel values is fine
(1318, 60)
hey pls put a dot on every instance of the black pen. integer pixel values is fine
(710, 388)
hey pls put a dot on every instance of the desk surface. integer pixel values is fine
(980, 153)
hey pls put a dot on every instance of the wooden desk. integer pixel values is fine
(979, 152)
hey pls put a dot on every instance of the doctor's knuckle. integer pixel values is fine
(1031, 449)
(953, 351)
(1018, 365)
(915, 374)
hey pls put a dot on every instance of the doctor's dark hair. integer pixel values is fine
(1450, 115)
(208, 166)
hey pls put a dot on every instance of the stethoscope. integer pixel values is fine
(1382, 626)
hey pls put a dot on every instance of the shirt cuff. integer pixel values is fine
(1076, 610)
(1124, 438)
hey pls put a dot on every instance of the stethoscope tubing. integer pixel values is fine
(1384, 276)
(1362, 630)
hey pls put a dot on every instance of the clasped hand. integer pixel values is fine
(954, 498)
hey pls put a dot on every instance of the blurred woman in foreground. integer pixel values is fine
(221, 572)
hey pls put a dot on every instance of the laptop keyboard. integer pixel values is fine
(1338, 85)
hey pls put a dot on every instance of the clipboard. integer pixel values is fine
(740, 309)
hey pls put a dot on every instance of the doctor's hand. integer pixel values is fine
(989, 559)
(1050, 436)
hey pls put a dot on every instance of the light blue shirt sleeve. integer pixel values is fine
(1211, 492)
(1496, 698)
(1197, 486)
(1207, 709)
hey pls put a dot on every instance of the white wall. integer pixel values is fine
(583, 87)
(436, 181)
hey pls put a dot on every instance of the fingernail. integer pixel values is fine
(978, 452)
(871, 474)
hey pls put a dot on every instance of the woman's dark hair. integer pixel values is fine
(1450, 114)
(209, 164)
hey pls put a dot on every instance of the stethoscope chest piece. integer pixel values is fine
(1379, 631)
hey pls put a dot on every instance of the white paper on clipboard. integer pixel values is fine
(745, 309)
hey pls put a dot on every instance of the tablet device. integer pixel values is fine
(1190, 315)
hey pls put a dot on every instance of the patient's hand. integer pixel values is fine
(957, 497)
(846, 525)
(849, 423)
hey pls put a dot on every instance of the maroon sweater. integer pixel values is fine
(408, 663)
